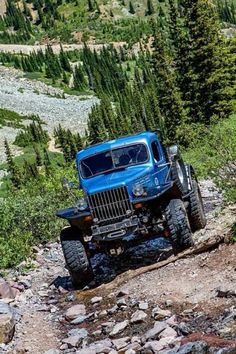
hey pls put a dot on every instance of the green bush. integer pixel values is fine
(11, 119)
(214, 155)
(28, 218)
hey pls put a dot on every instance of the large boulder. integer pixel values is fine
(7, 327)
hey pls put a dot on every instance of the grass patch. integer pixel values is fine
(11, 119)
(215, 150)
(215, 156)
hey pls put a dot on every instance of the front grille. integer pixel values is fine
(110, 204)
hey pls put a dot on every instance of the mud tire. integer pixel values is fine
(196, 213)
(77, 261)
(178, 225)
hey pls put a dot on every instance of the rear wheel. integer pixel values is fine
(178, 225)
(76, 259)
(197, 216)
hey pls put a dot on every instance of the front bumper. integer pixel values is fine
(117, 230)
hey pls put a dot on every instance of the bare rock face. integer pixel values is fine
(7, 327)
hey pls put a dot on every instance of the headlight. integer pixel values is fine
(138, 190)
(81, 204)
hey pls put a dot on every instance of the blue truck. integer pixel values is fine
(133, 188)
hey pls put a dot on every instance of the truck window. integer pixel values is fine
(112, 159)
(155, 151)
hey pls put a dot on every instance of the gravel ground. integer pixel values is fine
(33, 97)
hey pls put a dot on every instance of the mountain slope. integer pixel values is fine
(27, 21)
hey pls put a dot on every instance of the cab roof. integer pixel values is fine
(143, 137)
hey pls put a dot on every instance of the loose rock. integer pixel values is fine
(153, 347)
(159, 314)
(154, 332)
(119, 328)
(96, 299)
(168, 332)
(143, 305)
(121, 342)
(6, 291)
(75, 311)
(7, 327)
(138, 316)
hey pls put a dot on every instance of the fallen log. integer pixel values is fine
(207, 245)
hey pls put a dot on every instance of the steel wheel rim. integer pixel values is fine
(180, 173)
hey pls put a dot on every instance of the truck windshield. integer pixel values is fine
(113, 159)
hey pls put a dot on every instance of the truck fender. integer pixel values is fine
(191, 175)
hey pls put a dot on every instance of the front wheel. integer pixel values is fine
(76, 259)
(178, 225)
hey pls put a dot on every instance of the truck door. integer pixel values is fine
(161, 168)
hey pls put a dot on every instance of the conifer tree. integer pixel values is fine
(78, 78)
(46, 162)
(171, 105)
(79, 142)
(90, 5)
(34, 170)
(65, 78)
(53, 67)
(209, 61)
(64, 61)
(39, 161)
(150, 8)
(15, 175)
(131, 8)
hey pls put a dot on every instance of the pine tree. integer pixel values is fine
(15, 175)
(150, 8)
(64, 61)
(79, 81)
(34, 170)
(39, 161)
(53, 67)
(65, 78)
(46, 162)
(171, 105)
(131, 8)
(90, 5)
(79, 142)
(208, 84)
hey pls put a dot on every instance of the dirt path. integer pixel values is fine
(2, 7)
(52, 147)
(189, 286)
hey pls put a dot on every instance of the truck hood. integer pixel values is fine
(115, 179)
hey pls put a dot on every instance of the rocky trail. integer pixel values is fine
(186, 306)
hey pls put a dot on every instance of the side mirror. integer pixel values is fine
(173, 152)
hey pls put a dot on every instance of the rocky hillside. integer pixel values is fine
(33, 97)
(187, 306)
